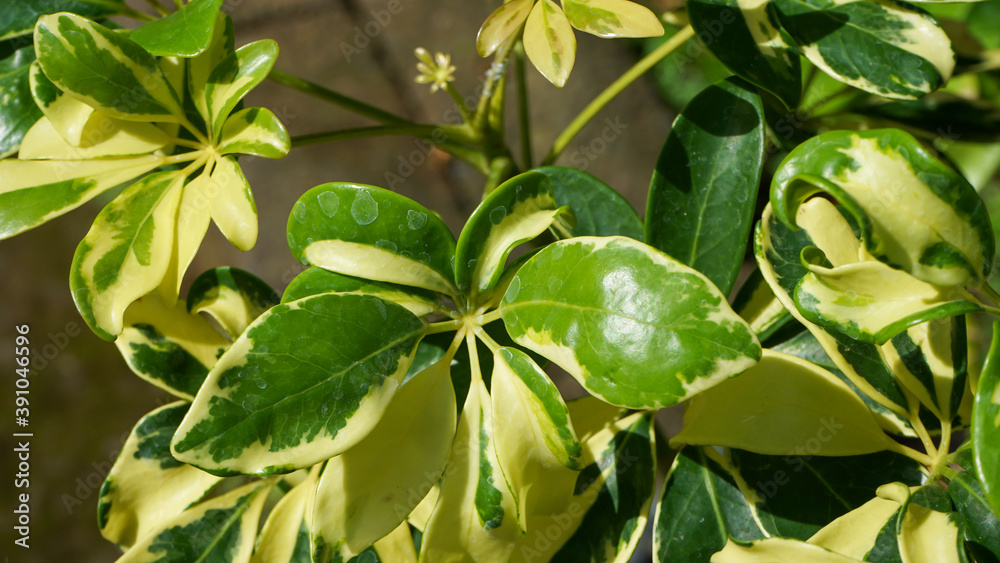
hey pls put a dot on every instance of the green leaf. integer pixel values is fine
(517, 211)
(18, 111)
(600, 211)
(168, 346)
(370, 489)
(612, 18)
(632, 325)
(104, 69)
(531, 425)
(980, 522)
(885, 47)
(501, 24)
(146, 486)
(915, 212)
(701, 507)
(781, 404)
(372, 233)
(184, 33)
(986, 423)
(317, 280)
(305, 382)
(254, 131)
(33, 192)
(984, 24)
(231, 203)
(126, 252)
(222, 529)
(704, 187)
(201, 66)
(748, 39)
(18, 18)
(549, 42)
(872, 302)
(233, 77)
(233, 297)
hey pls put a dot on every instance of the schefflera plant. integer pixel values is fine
(842, 443)
(399, 384)
(153, 108)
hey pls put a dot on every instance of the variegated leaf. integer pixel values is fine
(18, 110)
(127, 251)
(201, 66)
(372, 233)
(285, 535)
(635, 327)
(397, 546)
(778, 549)
(147, 486)
(872, 302)
(501, 25)
(746, 36)
(317, 280)
(531, 426)
(986, 423)
(18, 18)
(369, 490)
(930, 535)
(104, 69)
(34, 192)
(222, 529)
(168, 346)
(517, 211)
(549, 42)
(978, 520)
(612, 18)
(747, 412)
(915, 212)
(599, 210)
(105, 137)
(233, 77)
(233, 297)
(854, 534)
(475, 517)
(885, 47)
(68, 115)
(254, 131)
(759, 307)
(184, 33)
(193, 218)
(231, 203)
(305, 382)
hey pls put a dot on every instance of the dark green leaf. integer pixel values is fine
(18, 111)
(981, 524)
(18, 17)
(986, 423)
(600, 211)
(184, 33)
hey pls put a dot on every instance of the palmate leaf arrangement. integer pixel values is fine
(393, 403)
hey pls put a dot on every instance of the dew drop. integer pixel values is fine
(324, 409)
(557, 251)
(554, 284)
(299, 211)
(513, 289)
(365, 208)
(386, 245)
(415, 220)
(261, 384)
(497, 215)
(328, 202)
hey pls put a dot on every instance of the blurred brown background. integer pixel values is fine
(84, 400)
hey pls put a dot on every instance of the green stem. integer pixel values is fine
(160, 8)
(913, 454)
(487, 318)
(346, 102)
(444, 326)
(647, 62)
(524, 113)
(459, 103)
(487, 339)
(990, 292)
(178, 4)
(477, 372)
(131, 12)
(497, 70)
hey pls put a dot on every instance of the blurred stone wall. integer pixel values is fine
(84, 400)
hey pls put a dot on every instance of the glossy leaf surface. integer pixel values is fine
(612, 18)
(234, 76)
(18, 18)
(599, 210)
(501, 24)
(233, 297)
(986, 423)
(549, 42)
(255, 131)
(317, 280)
(184, 33)
(18, 110)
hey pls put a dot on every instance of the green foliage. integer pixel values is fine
(395, 403)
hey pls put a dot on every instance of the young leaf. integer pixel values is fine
(201, 66)
(231, 203)
(116, 137)
(129, 83)
(632, 325)
(885, 47)
(612, 18)
(126, 252)
(915, 212)
(747, 38)
(285, 535)
(254, 131)
(221, 529)
(986, 423)
(600, 211)
(234, 76)
(168, 346)
(317, 280)
(233, 297)
(549, 42)
(704, 187)
(372, 233)
(34, 192)
(305, 382)
(701, 508)
(146, 486)
(781, 404)
(501, 25)
(18, 110)
(854, 534)
(517, 211)
(184, 33)
(193, 218)
(370, 489)
(68, 115)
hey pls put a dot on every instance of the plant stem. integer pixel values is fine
(444, 326)
(131, 12)
(647, 62)
(487, 318)
(990, 292)
(921, 431)
(477, 372)
(487, 339)
(913, 454)
(346, 102)
(493, 76)
(160, 8)
(456, 97)
(523, 109)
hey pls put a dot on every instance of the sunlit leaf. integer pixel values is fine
(549, 42)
